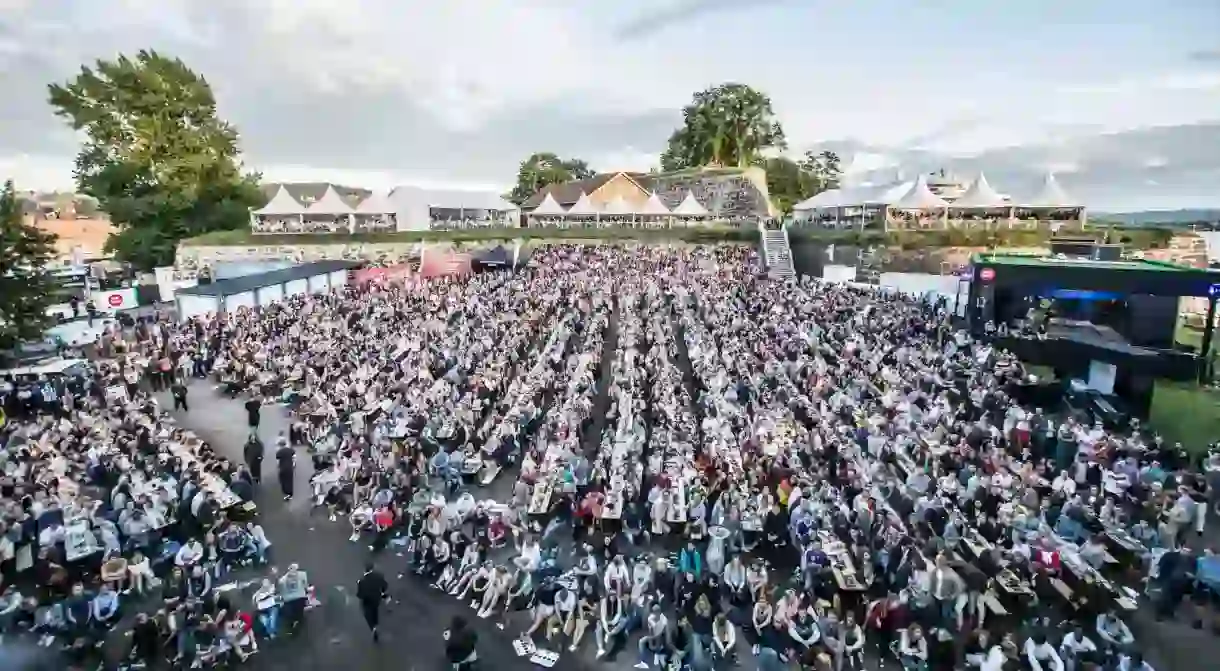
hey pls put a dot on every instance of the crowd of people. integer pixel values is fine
(112, 515)
(652, 447)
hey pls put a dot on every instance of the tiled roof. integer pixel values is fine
(89, 234)
(569, 192)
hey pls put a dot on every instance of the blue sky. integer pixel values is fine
(1122, 98)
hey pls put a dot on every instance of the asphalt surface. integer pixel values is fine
(334, 635)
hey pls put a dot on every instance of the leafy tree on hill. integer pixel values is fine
(791, 182)
(727, 125)
(26, 288)
(542, 170)
(157, 158)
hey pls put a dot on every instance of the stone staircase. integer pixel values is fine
(776, 252)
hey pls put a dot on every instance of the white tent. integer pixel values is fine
(889, 193)
(281, 203)
(689, 207)
(377, 203)
(618, 206)
(920, 197)
(980, 195)
(1052, 195)
(829, 198)
(330, 203)
(548, 206)
(654, 206)
(584, 206)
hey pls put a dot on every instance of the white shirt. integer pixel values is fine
(1042, 656)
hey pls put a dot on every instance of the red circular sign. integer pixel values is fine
(987, 274)
(115, 300)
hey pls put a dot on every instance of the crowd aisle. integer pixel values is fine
(631, 456)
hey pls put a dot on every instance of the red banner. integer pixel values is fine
(390, 274)
(437, 264)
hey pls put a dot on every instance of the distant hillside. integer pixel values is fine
(1157, 217)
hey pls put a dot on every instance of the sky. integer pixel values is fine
(1121, 98)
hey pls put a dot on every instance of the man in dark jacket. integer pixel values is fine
(178, 389)
(286, 461)
(371, 590)
(460, 643)
(253, 453)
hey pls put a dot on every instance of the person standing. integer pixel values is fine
(178, 389)
(460, 645)
(253, 410)
(253, 452)
(372, 590)
(286, 460)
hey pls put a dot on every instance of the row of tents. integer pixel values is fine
(619, 207)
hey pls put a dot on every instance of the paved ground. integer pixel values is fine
(335, 636)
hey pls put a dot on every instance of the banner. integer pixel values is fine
(390, 274)
(438, 264)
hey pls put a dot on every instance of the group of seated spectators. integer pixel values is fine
(109, 510)
(713, 464)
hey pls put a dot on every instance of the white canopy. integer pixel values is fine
(920, 197)
(654, 206)
(584, 206)
(889, 193)
(330, 203)
(689, 207)
(980, 195)
(548, 206)
(829, 198)
(1052, 195)
(618, 206)
(377, 203)
(282, 203)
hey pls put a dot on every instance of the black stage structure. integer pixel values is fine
(1110, 322)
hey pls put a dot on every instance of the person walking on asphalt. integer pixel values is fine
(460, 642)
(253, 452)
(253, 408)
(286, 460)
(178, 389)
(372, 590)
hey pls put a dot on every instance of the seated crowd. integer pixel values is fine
(108, 510)
(712, 464)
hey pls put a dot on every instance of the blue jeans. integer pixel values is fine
(270, 619)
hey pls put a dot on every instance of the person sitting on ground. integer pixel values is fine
(1113, 630)
(1041, 655)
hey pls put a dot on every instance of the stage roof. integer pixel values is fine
(1052, 262)
(1034, 274)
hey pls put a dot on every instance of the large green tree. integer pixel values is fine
(544, 169)
(26, 288)
(726, 125)
(791, 182)
(157, 157)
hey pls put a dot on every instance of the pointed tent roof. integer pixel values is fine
(690, 207)
(618, 205)
(980, 194)
(549, 206)
(1052, 195)
(920, 197)
(889, 193)
(377, 203)
(828, 198)
(330, 203)
(281, 203)
(584, 206)
(654, 206)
